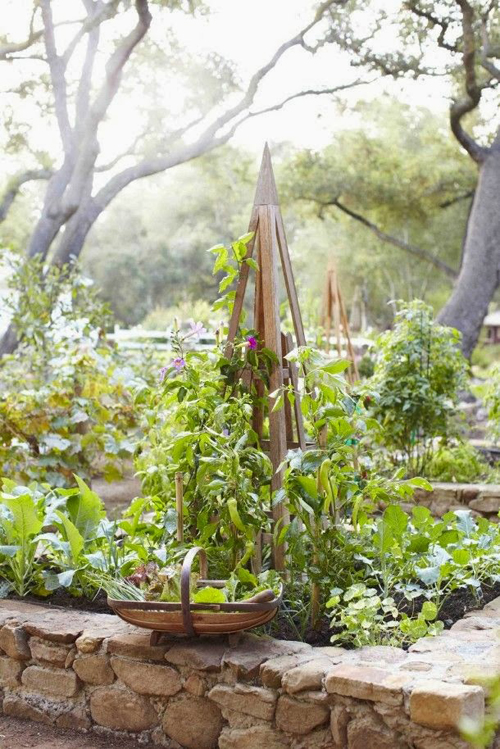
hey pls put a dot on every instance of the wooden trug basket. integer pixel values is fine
(194, 619)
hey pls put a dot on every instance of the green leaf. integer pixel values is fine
(420, 483)
(308, 484)
(396, 519)
(461, 557)
(429, 611)
(355, 591)
(56, 442)
(246, 577)
(465, 522)
(419, 544)
(26, 521)
(420, 515)
(336, 367)
(209, 595)
(428, 575)
(448, 537)
(246, 238)
(73, 536)
(221, 262)
(278, 403)
(9, 551)
(85, 510)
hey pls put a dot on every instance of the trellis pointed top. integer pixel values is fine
(266, 192)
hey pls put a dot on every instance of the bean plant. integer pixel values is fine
(201, 427)
(334, 484)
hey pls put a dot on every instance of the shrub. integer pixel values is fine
(65, 394)
(461, 463)
(419, 371)
(491, 399)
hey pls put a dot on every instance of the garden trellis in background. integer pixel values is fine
(269, 247)
(334, 310)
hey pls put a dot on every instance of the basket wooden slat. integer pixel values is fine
(195, 619)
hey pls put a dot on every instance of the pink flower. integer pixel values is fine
(252, 342)
(163, 373)
(197, 328)
(179, 363)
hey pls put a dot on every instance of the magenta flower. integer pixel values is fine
(179, 363)
(163, 373)
(252, 342)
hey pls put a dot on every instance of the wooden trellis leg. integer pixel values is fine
(352, 372)
(291, 289)
(334, 308)
(272, 333)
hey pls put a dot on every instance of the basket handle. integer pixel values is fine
(187, 619)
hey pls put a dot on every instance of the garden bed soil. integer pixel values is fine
(454, 608)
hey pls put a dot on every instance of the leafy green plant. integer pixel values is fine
(491, 398)
(66, 402)
(201, 427)
(419, 371)
(20, 526)
(461, 463)
(56, 538)
(359, 616)
(334, 484)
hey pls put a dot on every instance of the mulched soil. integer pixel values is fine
(61, 598)
(455, 606)
(20, 734)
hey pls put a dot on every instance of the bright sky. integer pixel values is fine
(248, 33)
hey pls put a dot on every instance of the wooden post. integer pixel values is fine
(179, 506)
(334, 308)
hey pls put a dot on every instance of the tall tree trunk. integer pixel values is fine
(479, 274)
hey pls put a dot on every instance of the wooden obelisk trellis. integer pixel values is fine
(334, 311)
(269, 248)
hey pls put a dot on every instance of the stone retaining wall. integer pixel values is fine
(482, 499)
(93, 672)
